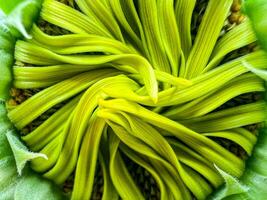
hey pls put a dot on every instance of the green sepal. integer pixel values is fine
(258, 162)
(256, 10)
(8, 6)
(5, 124)
(30, 185)
(22, 17)
(21, 153)
(255, 176)
(7, 43)
(262, 73)
(5, 150)
(33, 187)
(8, 174)
(18, 16)
(8, 192)
(6, 60)
(232, 187)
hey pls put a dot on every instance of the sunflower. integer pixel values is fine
(135, 99)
